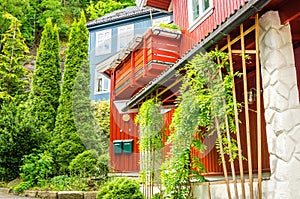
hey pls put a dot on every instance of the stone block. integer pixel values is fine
(282, 89)
(30, 193)
(269, 19)
(47, 194)
(276, 60)
(294, 97)
(269, 114)
(273, 39)
(90, 195)
(70, 195)
(281, 171)
(285, 147)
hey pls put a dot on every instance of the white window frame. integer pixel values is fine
(100, 77)
(203, 14)
(103, 42)
(125, 36)
(164, 20)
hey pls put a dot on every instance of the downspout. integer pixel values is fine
(252, 7)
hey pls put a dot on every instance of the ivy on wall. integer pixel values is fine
(204, 108)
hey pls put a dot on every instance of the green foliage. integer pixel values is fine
(15, 139)
(22, 186)
(66, 139)
(106, 6)
(13, 79)
(67, 183)
(86, 164)
(45, 87)
(19, 9)
(170, 26)
(102, 115)
(151, 135)
(36, 169)
(204, 108)
(120, 188)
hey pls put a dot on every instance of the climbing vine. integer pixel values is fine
(204, 108)
(151, 141)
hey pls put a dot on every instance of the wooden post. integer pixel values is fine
(223, 158)
(246, 110)
(258, 105)
(228, 139)
(236, 119)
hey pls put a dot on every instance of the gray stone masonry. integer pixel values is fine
(282, 111)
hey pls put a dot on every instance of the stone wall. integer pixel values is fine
(282, 112)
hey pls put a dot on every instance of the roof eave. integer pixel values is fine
(252, 7)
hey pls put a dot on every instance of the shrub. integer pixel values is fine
(84, 164)
(37, 168)
(124, 188)
(22, 186)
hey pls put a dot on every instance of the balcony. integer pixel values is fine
(144, 59)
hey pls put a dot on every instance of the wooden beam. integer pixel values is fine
(258, 99)
(247, 111)
(289, 11)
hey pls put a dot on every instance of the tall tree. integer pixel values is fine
(66, 142)
(15, 141)
(45, 87)
(14, 53)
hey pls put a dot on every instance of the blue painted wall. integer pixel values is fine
(141, 24)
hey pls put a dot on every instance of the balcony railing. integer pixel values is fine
(144, 59)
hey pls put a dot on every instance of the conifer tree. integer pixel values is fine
(66, 142)
(45, 87)
(14, 53)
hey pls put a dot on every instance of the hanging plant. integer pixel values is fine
(151, 125)
(205, 107)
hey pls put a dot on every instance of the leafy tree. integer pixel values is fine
(45, 87)
(18, 9)
(106, 6)
(14, 53)
(65, 129)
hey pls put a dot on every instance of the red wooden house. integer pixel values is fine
(148, 67)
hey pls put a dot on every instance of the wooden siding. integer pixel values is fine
(210, 158)
(120, 130)
(222, 9)
(160, 4)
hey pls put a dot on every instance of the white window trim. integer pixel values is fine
(97, 51)
(96, 84)
(119, 35)
(203, 16)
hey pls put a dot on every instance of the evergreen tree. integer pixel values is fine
(66, 142)
(15, 139)
(45, 87)
(14, 53)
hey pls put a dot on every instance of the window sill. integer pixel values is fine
(102, 92)
(200, 19)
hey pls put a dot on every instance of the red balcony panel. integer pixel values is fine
(157, 51)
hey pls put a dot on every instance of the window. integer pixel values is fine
(103, 42)
(164, 20)
(101, 84)
(199, 10)
(125, 34)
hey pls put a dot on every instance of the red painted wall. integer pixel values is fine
(222, 10)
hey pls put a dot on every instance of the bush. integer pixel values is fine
(37, 168)
(124, 188)
(22, 186)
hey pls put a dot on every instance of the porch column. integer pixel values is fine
(282, 111)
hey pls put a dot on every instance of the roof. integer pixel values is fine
(252, 7)
(118, 15)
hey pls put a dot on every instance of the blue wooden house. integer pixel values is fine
(110, 34)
